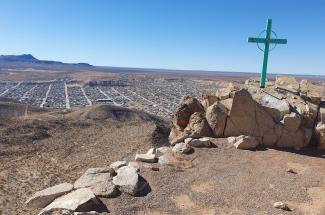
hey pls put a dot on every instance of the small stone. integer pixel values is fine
(181, 148)
(149, 158)
(291, 171)
(118, 164)
(44, 197)
(154, 168)
(281, 205)
(246, 142)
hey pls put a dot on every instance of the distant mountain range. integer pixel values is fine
(27, 61)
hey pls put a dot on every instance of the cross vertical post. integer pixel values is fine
(266, 52)
(267, 41)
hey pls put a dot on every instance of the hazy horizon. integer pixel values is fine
(174, 35)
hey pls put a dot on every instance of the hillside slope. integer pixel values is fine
(44, 149)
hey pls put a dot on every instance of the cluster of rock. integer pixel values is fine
(284, 114)
(82, 196)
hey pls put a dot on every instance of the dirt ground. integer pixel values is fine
(42, 150)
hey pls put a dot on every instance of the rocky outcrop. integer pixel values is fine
(181, 118)
(284, 114)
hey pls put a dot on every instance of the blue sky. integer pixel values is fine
(177, 34)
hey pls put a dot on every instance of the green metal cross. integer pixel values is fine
(267, 41)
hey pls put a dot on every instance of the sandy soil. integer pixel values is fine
(220, 180)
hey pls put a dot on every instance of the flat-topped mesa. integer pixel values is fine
(284, 114)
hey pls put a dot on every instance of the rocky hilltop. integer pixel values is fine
(284, 114)
(201, 172)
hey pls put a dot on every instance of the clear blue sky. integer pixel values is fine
(178, 34)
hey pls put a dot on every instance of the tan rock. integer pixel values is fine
(198, 126)
(291, 121)
(223, 93)
(227, 103)
(208, 98)
(287, 82)
(216, 116)
(292, 138)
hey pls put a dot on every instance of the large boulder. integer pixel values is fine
(198, 126)
(99, 181)
(216, 116)
(44, 197)
(81, 200)
(127, 179)
(247, 117)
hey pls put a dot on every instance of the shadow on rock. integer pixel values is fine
(144, 187)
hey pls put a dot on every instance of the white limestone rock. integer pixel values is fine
(149, 158)
(99, 180)
(127, 179)
(79, 200)
(118, 164)
(246, 142)
(44, 197)
(181, 148)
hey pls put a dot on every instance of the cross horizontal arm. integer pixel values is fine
(256, 40)
(278, 41)
(262, 40)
